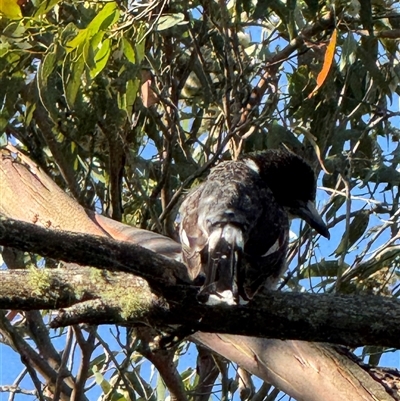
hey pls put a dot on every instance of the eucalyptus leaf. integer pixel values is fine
(100, 380)
(170, 20)
(349, 52)
(129, 51)
(72, 79)
(324, 268)
(356, 229)
(101, 58)
(45, 6)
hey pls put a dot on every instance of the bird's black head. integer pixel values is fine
(292, 181)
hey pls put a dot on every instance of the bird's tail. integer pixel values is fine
(225, 249)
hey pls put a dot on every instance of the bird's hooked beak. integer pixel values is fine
(309, 213)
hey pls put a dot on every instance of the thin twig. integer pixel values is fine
(62, 373)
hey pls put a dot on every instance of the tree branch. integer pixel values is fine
(344, 319)
(103, 253)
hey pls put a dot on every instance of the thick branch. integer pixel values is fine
(345, 319)
(306, 371)
(63, 288)
(104, 253)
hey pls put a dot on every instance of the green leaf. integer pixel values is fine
(48, 80)
(349, 52)
(77, 41)
(168, 21)
(101, 58)
(96, 40)
(121, 101)
(88, 54)
(128, 50)
(264, 8)
(187, 374)
(357, 228)
(3, 120)
(277, 134)
(106, 17)
(367, 54)
(117, 396)
(102, 382)
(10, 9)
(323, 268)
(336, 204)
(3, 140)
(48, 64)
(140, 43)
(4, 48)
(132, 88)
(161, 389)
(45, 7)
(30, 108)
(385, 174)
(15, 31)
(72, 78)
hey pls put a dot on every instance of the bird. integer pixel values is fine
(234, 227)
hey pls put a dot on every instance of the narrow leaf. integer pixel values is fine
(72, 79)
(168, 21)
(77, 40)
(106, 17)
(128, 50)
(329, 54)
(102, 382)
(45, 7)
(349, 52)
(132, 88)
(356, 230)
(101, 58)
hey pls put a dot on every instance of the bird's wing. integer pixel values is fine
(216, 221)
(263, 271)
(193, 236)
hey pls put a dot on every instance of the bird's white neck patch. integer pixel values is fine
(252, 165)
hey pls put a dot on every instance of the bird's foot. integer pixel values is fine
(225, 297)
(243, 301)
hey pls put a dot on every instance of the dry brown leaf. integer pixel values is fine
(328, 59)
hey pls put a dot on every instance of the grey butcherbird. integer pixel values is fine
(235, 226)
